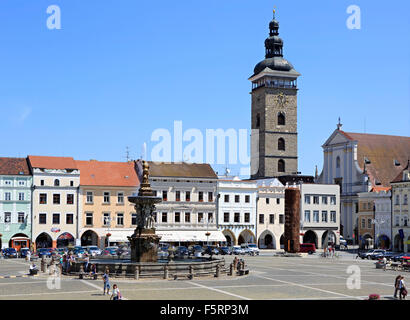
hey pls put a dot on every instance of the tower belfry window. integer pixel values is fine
(281, 165)
(281, 119)
(281, 144)
(258, 120)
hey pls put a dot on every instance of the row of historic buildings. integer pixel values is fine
(55, 201)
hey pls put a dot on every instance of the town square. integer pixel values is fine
(204, 151)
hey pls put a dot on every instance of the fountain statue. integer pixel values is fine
(144, 242)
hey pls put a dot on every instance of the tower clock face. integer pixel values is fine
(281, 100)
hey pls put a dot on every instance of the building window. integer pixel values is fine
(106, 219)
(89, 218)
(120, 219)
(134, 219)
(281, 165)
(21, 183)
(369, 223)
(261, 218)
(281, 218)
(200, 217)
(332, 216)
(307, 216)
(106, 197)
(164, 217)
(247, 198)
(188, 196)
(210, 196)
(187, 217)
(315, 199)
(247, 217)
(258, 120)
(281, 144)
(363, 223)
(226, 217)
(164, 195)
(405, 221)
(277, 201)
(405, 199)
(71, 183)
(267, 200)
(41, 182)
(7, 217)
(226, 198)
(56, 198)
(236, 198)
(120, 197)
(7, 196)
(333, 200)
(307, 199)
(7, 183)
(56, 218)
(397, 199)
(200, 196)
(69, 218)
(177, 217)
(315, 216)
(210, 216)
(281, 119)
(56, 183)
(42, 218)
(20, 217)
(324, 216)
(338, 162)
(154, 192)
(43, 198)
(21, 196)
(324, 200)
(70, 198)
(90, 197)
(177, 195)
(237, 217)
(271, 218)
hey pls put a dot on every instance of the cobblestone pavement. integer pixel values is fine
(270, 277)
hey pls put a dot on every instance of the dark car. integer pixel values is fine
(388, 255)
(211, 250)
(182, 251)
(44, 252)
(225, 250)
(377, 254)
(10, 253)
(399, 257)
(23, 252)
(195, 248)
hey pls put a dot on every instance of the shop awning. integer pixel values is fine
(190, 236)
(120, 235)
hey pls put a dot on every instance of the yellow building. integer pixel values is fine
(107, 217)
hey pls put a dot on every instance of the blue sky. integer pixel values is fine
(118, 70)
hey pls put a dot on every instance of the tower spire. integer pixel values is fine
(339, 125)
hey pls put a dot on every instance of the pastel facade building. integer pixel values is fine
(15, 203)
(237, 210)
(56, 182)
(107, 217)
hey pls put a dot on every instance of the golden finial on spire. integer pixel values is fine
(274, 11)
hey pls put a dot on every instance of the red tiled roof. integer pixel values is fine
(101, 173)
(381, 150)
(378, 189)
(52, 162)
(14, 166)
(399, 177)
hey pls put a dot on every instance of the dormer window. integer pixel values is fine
(56, 183)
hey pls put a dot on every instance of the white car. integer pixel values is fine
(94, 251)
(250, 248)
(343, 242)
(237, 250)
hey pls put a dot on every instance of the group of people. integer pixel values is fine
(329, 251)
(116, 294)
(400, 286)
(67, 261)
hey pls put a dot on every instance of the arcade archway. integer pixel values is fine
(383, 242)
(310, 237)
(64, 240)
(246, 236)
(89, 238)
(44, 240)
(267, 240)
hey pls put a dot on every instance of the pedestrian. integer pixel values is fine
(28, 256)
(106, 281)
(396, 285)
(116, 294)
(384, 263)
(402, 288)
(86, 262)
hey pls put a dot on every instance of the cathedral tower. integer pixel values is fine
(274, 112)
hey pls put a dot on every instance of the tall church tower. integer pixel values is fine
(274, 112)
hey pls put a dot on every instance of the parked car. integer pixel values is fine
(399, 257)
(44, 252)
(182, 251)
(377, 254)
(343, 243)
(225, 250)
(10, 253)
(367, 254)
(210, 250)
(110, 251)
(94, 251)
(237, 250)
(307, 248)
(23, 252)
(195, 248)
(250, 248)
(79, 252)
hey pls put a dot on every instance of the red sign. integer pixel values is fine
(301, 234)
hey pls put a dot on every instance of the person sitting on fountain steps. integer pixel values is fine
(106, 281)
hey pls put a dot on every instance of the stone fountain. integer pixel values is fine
(144, 242)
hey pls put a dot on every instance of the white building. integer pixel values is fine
(187, 213)
(358, 162)
(270, 220)
(237, 210)
(56, 182)
(382, 217)
(319, 214)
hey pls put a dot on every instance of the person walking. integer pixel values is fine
(116, 294)
(86, 262)
(396, 285)
(402, 288)
(384, 263)
(28, 256)
(106, 281)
